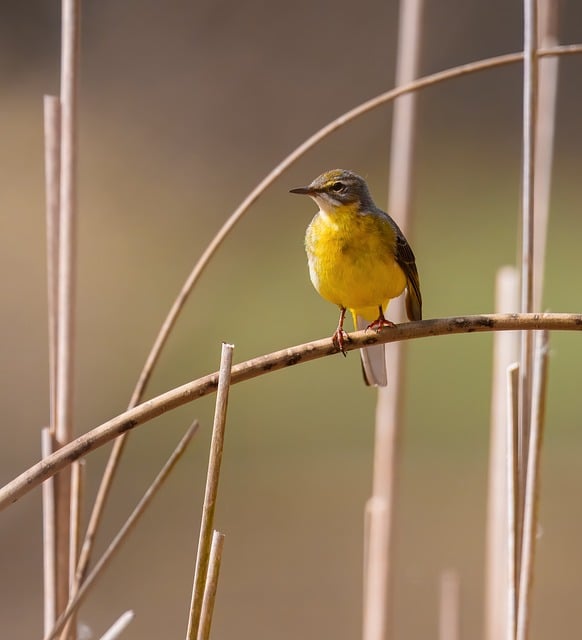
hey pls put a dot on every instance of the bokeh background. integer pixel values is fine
(184, 108)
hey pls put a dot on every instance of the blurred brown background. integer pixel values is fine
(184, 108)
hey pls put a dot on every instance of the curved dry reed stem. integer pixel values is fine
(199, 267)
(262, 365)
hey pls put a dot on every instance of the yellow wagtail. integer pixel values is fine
(359, 259)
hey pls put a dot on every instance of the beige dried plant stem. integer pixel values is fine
(48, 537)
(512, 500)
(263, 365)
(52, 159)
(380, 510)
(119, 626)
(530, 89)
(450, 606)
(544, 141)
(66, 278)
(530, 520)
(505, 353)
(77, 493)
(229, 225)
(52, 134)
(211, 585)
(211, 492)
(121, 536)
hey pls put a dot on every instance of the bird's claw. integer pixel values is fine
(379, 324)
(339, 338)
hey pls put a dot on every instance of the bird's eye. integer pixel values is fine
(338, 186)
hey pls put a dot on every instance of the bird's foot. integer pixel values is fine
(380, 323)
(339, 338)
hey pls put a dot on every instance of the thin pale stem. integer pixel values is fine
(77, 492)
(512, 498)
(48, 537)
(66, 279)
(378, 603)
(530, 520)
(228, 226)
(211, 493)
(544, 141)
(505, 353)
(211, 585)
(52, 155)
(121, 536)
(375, 547)
(119, 626)
(450, 606)
(530, 89)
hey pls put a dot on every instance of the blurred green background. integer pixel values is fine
(184, 108)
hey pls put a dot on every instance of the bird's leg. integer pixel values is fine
(380, 322)
(340, 336)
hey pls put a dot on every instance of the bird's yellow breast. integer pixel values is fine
(351, 260)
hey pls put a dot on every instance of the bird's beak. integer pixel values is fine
(305, 191)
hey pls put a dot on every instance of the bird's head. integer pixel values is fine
(338, 188)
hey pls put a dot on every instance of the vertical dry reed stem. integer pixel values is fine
(544, 140)
(377, 618)
(530, 521)
(512, 498)
(121, 536)
(119, 626)
(375, 576)
(48, 537)
(530, 88)
(450, 606)
(209, 597)
(505, 353)
(77, 493)
(52, 134)
(52, 155)
(66, 279)
(211, 492)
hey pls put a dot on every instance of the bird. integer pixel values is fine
(358, 260)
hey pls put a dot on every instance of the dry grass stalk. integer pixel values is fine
(530, 521)
(377, 618)
(48, 538)
(52, 155)
(263, 365)
(52, 133)
(119, 626)
(66, 282)
(505, 353)
(211, 492)
(375, 547)
(211, 585)
(512, 498)
(77, 493)
(530, 94)
(450, 606)
(168, 324)
(544, 140)
(121, 536)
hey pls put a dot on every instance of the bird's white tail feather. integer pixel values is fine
(373, 360)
